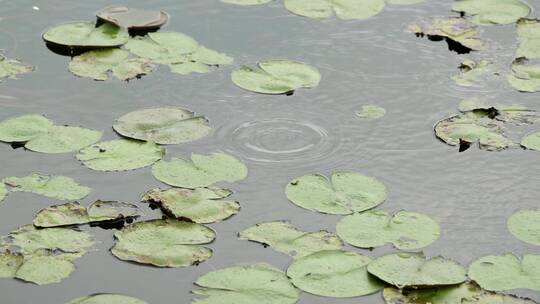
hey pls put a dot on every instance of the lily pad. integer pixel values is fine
(120, 155)
(344, 9)
(528, 31)
(405, 230)
(200, 205)
(404, 2)
(371, 112)
(506, 272)
(508, 113)
(106, 298)
(525, 225)
(489, 12)
(258, 283)
(345, 193)
(24, 128)
(98, 63)
(532, 141)
(276, 77)
(134, 19)
(201, 171)
(100, 211)
(9, 264)
(334, 273)
(288, 239)
(414, 270)
(3, 192)
(246, 2)
(10, 68)
(164, 243)
(525, 75)
(86, 35)
(471, 71)
(163, 125)
(60, 187)
(45, 269)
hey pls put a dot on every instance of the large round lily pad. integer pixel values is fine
(489, 12)
(276, 77)
(525, 225)
(414, 270)
(506, 272)
(106, 298)
(135, 19)
(163, 125)
(345, 193)
(12, 67)
(201, 171)
(334, 273)
(24, 128)
(288, 239)
(60, 187)
(120, 155)
(405, 230)
(344, 9)
(259, 283)
(164, 243)
(45, 269)
(86, 35)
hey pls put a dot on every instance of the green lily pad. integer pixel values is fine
(201, 171)
(120, 155)
(10, 68)
(258, 283)
(405, 230)
(525, 225)
(506, 272)
(334, 273)
(98, 63)
(106, 298)
(344, 9)
(164, 243)
(489, 12)
(404, 2)
(525, 75)
(86, 35)
(371, 112)
(100, 211)
(532, 141)
(528, 31)
(60, 187)
(345, 193)
(135, 19)
(414, 270)
(45, 269)
(276, 77)
(471, 71)
(508, 113)
(246, 2)
(200, 205)
(24, 128)
(163, 125)
(288, 239)
(3, 192)
(9, 264)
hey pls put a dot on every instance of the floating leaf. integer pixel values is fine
(345, 193)
(86, 35)
(100, 211)
(11, 67)
(246, 2)
(259, 283)
(163, 125)
(200, 205)
(471, 71)
(106, 298)
(60, 187)
(3, 192)
(403, 2)
(489, 12)
(405, 230)
(164, 243)
(334, 273)
(98, 63)
(525, 75)
(24, 128)
(45, 269)
(528, 31)
(201, 171)
(344, 9)
(532, 141)
(9, 263)
(276, 77)
(120, 155)
(414, 270)
(371, 112)
(506, 272)
(508, 113)
(287, 239)
(134, 19)
(525, 225)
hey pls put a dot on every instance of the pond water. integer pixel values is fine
(471, 194)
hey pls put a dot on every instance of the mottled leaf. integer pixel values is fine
(9, 264)
(60, 187)
(86, 35)
(10, 68)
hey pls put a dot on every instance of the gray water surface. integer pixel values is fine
(470, 194)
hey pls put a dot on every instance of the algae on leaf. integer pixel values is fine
(86, 35)
(10, 68)
(106, 298)
(60, 187)
(343, 9)
(489, 12)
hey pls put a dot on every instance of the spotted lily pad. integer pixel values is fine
(3, 192)
(164, 125)
(276, 77)
(45, 269)
(164, 243)
(11, 67)
(471, 71)
(201, 171)
(532, 141)
(9, 264)
(371, 112)
(200, 205)
(134, 19)
(98, 63)
(345, 193)
(525, 225)
(488, 12)
(60, 187)
(414, 270)
(258, 283)
(528, 31)
(288, 239)
(506, 272)
(120, 155)
(106, 298)
(405, 230)
(344, 9)
(334, 273)
(246, 2)
(525, 75)
(86, 35)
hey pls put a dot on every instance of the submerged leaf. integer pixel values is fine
(135, 19)
(86, 35)
(471, 71)
(345, 193)
(23, 128)
(246, 2)
(60, 187)
(532, 141)
(506, 272)
(276, 77)
(9, 264)
(344, 9)
(288, 239)
(11, 67)
(106, 298)
(201, 171)
(164, 243)
(525, 225)
(259, 283)
(163, 125)
(371, 112)
(45, 269)
(489, 12)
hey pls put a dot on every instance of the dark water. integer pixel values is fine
(470, 194)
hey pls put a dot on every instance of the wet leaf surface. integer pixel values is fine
(130, 18)
(489, 12)
(60, 187)
(11, 68)
(343, 9)
(86, 35)
(106, 298)
(371, 112)
(45, 269)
